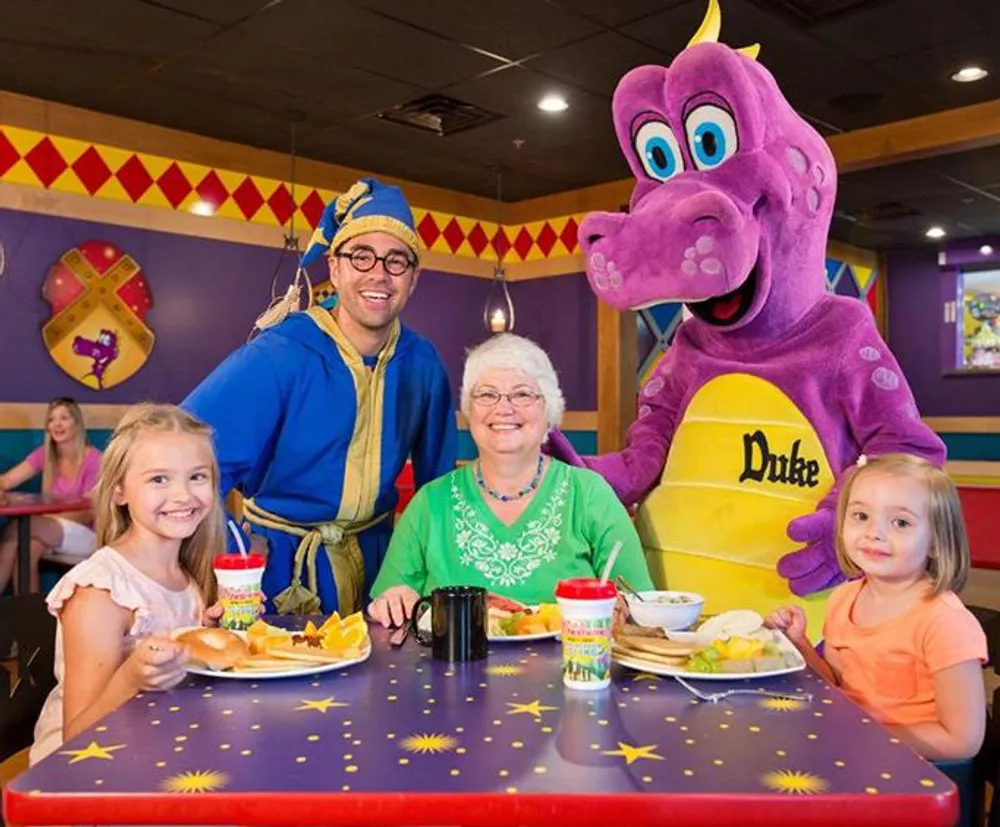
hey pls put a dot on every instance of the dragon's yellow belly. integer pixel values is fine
(743, 463)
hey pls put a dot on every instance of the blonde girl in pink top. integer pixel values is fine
(898, 640)
(69, 468)
(159, 523)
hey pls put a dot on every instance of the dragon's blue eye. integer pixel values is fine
(712, 136)
(658, 150)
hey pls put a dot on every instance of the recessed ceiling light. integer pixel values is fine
(935, 232)
(201, 208)
(553, 103)
(986, 250)
(968, 74)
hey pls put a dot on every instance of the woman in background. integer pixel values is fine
(69, 468)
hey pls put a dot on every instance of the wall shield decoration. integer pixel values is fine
(99, 299)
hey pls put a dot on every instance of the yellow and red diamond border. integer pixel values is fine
(36, 159)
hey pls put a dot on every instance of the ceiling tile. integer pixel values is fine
(615, 14)
(118, 26)
(225, 13)
(512, 29)
(244, 64)
(897, 27)
(337, 31)
(597, 63)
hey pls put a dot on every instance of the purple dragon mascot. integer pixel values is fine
(772, 386)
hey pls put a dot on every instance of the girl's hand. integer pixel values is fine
(791, 620)
(156, 664)
(394, 606)
(212, 615)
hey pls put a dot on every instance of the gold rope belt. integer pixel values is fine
(342, 549)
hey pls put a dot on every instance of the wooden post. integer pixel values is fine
(617, 357)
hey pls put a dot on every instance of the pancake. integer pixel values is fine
(647, 657)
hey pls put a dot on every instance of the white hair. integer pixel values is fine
(506, 351)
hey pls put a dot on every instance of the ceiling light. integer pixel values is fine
(935, 232)
(553, 103)
(202, 208)
(968, 74)
(986, 250)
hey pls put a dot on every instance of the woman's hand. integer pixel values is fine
(394, 606)
(792, 621)
(156, 664)
(621, 615)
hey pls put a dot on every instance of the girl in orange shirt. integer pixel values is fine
(897, 640)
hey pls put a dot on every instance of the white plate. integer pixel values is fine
(783, 643)
(424, 624)
(295, 670)
(522, 638)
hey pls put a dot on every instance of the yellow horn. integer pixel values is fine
(708, 31)
(711, 26)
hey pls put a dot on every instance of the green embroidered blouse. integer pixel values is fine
(448, 536)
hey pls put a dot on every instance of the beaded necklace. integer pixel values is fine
(496, 495)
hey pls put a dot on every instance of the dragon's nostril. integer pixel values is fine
(593, 238)
(714, 219)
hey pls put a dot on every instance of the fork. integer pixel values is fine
(624, 584)
(715, 697)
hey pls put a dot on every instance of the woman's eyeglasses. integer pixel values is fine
(363, 259)
(519, 399)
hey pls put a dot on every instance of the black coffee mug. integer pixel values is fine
(458, 623)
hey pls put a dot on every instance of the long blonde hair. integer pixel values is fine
(50, 464)
(113, 520)
(948, 562)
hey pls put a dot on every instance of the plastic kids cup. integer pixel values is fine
(587, 608)
(239, 588)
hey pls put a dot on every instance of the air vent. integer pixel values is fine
(888, 211)
(813, 12)
(439, 114)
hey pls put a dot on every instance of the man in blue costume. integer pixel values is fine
(340, 396)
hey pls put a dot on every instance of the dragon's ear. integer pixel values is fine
(711, 26)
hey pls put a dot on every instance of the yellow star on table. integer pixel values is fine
(321, 706)
(92, 750)
(646, 676)
(632, 754)
(534, 708)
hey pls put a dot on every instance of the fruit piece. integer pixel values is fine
(340, 640)
(332, 621)
(310, 630)
(356, 619)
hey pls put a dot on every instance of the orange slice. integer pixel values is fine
(332, 621)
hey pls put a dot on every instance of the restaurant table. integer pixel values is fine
(403, 739)
(22, 507)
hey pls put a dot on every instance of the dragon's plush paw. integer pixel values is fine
(559, 447)
(815, 567)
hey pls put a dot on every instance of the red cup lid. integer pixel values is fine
(237, 561)
(585, 588)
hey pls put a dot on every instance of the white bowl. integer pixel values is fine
(669, 610)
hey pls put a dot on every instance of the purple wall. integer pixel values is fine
(207, 294)
(559, 313)
(915, 324)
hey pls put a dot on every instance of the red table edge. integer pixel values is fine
(12, 509)
(484, 809)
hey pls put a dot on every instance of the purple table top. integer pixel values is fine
(494, 741)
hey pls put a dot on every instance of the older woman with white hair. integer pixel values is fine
(514, 520)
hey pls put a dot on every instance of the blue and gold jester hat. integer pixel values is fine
(368, 206)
